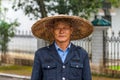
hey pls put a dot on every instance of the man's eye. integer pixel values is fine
(66, 28)
(57, 28)
(61, 28)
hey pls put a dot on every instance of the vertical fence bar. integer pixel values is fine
(114, 63)
(106, 54)
(107, 51)
(118, 51)
(104, 47)
(90, 47)
(112, 53)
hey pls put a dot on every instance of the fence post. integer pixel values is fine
(98, 48)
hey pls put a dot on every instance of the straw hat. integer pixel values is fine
(81, 27)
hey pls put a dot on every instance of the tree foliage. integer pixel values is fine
(42, 8)
(6, 32)
(115, 3)
(51, 7)
(7, 29)
(81, 8)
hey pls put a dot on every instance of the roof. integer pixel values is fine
(101, 22)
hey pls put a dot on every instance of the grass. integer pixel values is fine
(16, 69)
(96, 76)
(102, 78)
(114, 67)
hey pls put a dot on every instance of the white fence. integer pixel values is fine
(23, 42)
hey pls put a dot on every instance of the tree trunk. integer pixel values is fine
(3, 58)
(43, 14)
(42, 8)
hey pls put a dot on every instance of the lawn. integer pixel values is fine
(114, 67)
(16, 69)
(102, 78)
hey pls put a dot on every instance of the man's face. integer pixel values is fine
(62, 32)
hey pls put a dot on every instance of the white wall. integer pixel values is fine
(23, 44)
(116, 21)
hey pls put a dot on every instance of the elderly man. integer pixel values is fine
(61, 60)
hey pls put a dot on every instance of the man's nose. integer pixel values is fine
(61, 30)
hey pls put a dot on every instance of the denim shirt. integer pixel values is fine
(62, 53)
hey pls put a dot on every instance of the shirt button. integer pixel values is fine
(63, 78)
(63, 66)
(48, 66)
(77, 66)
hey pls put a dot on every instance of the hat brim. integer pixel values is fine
(81, 27)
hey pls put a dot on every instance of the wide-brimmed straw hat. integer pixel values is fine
(81, 27)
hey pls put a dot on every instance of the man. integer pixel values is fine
(62, 60)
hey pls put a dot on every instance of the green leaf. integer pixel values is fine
(6, 32)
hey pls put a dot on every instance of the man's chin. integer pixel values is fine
(62, 40)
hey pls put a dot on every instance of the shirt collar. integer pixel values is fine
(57, 47)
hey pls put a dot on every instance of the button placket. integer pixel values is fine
(77, 66)
(63, 78)
(48, 66)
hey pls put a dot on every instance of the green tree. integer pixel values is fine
(7, 30)
(115, 3)
(41, 8)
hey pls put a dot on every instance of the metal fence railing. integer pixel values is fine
(23, 41)
(112, 54)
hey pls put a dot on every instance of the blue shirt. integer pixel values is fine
(62, 53)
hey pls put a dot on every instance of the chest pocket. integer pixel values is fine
(76, 65)
(75, 71)
(49, 66)
(49, 71)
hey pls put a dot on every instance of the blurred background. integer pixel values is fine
(18, 45)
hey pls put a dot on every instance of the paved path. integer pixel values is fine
(9, 78)
(13, 77)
